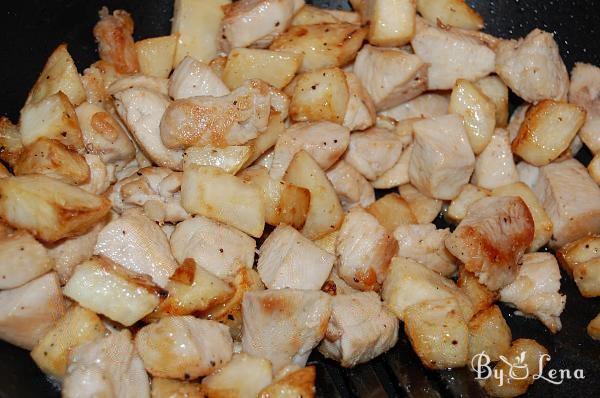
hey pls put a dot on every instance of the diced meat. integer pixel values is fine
(360, 329)
(139, 245)
(398, 174)
(391, 76)
(218, 248)
(115, 41)
(495, 166)
(528, 173)
(451, 56)
(410, 283)
(491, 239)
(532, 67)
(101, 175)
(284, 325)
(585, 92)
(516, 119)
(256, 22)
(142, 111)
(184, 347)
(427, 105)
(535, 291)
(158, 84)
(364, 249)
(29, 311)
(425, 244)
(192, 78)
(22, 258)
(232, 119)
(360, 111)
(325, 142)
(374, 151)
(459, 206)
(442, 160)
(288, 259)
(572, 200)
(351, 187)
(109, 366)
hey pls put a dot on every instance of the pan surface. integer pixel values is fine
(33, 28)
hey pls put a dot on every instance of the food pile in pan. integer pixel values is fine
(193, 214)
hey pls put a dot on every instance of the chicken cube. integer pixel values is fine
(22, 259)
(481, 297)
(325, 141)
(442, 160)
(425, 244)
(364, 249)
(459, 206)
(352, 188)
(452, 56)
(571, 199)
(489, 334)
(220, 249)
(115, 42)
(438, 333)
(106, 366)
(495, 166)
(183, 347)
(192, 78)
(585, 92)
(528, 173)
(491, 239)
(410, 283)
(288, 259)
(426, 105)
(424, 208)
(28, 312)
(139, 245)
(360, 110)
(169, 388)
(532, 67)
(398, 174)
(284, 325)
(374, 151)
(535, 290)
(360, 329)
(243, 377)
(391, 76)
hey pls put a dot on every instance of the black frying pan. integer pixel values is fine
(33, 28)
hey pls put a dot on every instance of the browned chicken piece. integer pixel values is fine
(585, 92)
(232, 119)
(360, 110)
(364, 250)
(495, 166)
(325, 142)
(373, 152)
(426, 105)
(288, 259)
(156, 189)
(425, 244)
(29, 311)
(391, 76)
(535, 291)
(184, 347)
(451, 56)
(142, 111)
(532, 67)
(139, 245)
(360, 329)
(284, 325)
(192, 78)
(442, 159)
(109, 366)
(491, 239)
(115, 41)
(351, 187)
(572, 200)
(22, 258)
(101, 175)
(218, 248)
(70, 252)
(256, 22)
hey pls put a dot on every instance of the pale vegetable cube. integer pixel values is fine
(468, 195)
(578, 251)
(76, 327)
(169, 388)
(481, 297)
(494, 88)
(106, 288)
(277, 68)
(593, 328)
(325, 213)
(438, 333)
(213, 193)
(489, 334)
(450, 12)
(230, 158)
(156, 55)
(392, 211)
(587, 277)
(10, 141)
(197, 24)
(594, 169)
(547, 131)
(311, 15)
(478, 112)
(268, 138)
(320, 95)
(22, 258)
(392, 22)
(424, 208)
(59, 74)
(299, 383)
(243, 377)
